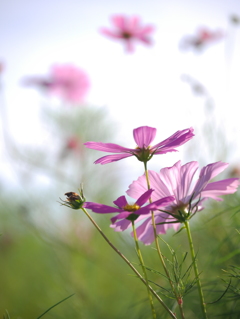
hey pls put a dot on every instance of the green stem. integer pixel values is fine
(203, 305)
(144, 270)
(130, 265)
(178, 298)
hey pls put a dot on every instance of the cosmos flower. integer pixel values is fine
(67, 81)
(189, 197)
(129, 30)
(127, 212)
(143, 137)
(202, 38)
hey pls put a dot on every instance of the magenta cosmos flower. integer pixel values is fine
(143, 137)
(129, 30)
(189, 196)
(127, 212)
(67, 81)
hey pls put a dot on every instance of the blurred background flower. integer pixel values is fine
(129, 30)
(203, 38)
(66, 81)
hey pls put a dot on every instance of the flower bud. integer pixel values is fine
(74, 200)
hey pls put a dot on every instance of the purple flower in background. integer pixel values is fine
(203, 37)
(128, 212)
(66, 81)
(189, 196)
(129, 30)
(143, 137)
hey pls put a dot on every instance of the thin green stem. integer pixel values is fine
(144, 270)
(203, 305)
(130, 265)
(178, 298)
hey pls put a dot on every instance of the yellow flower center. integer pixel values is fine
(131, 208)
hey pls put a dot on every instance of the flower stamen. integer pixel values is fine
(131, 208)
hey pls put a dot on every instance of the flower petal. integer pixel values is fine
(145, 231)
(100, 208)
(140, 185)
(121, 202)
(121, 225)
(144, 136)
(223, 187)
(178, 178)
(107, 147)
(177, 139)
(119, 21)
(111, 158)
(207, 173)
(122, 215)
(144, 198)
(129, 45)
(109, 33)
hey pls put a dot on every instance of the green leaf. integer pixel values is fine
(54, 306)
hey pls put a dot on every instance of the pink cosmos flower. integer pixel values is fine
(202, 38)
(66, 81)
(127, 212)
(129, 30)
(143, 137)
(189, 196)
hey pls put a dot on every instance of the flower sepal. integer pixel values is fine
(144, 155)
(132, 217)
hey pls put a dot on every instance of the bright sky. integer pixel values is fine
(144, 88)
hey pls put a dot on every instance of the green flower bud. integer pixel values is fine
(74, 200)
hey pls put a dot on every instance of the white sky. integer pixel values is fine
(143, 88)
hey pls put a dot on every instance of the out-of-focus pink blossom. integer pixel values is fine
(129, 30)
(143, 136)
(67, 81)
(189, 197)
(72, 144)
(202, 38)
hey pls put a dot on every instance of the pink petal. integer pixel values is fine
(144, 197)
(100, 208)
(119, 21)
(145, 231)
(121, 201)
(207, 173)
(144, 136)
(140, 185)
(147, 29)
(145, 39)
(108, 147)
(111, 158)
(122, 215)
(129, 45)
(121, 225)
(177, 139)
(109, 33)
(178, 178)
(134, 24)
(223, 187)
